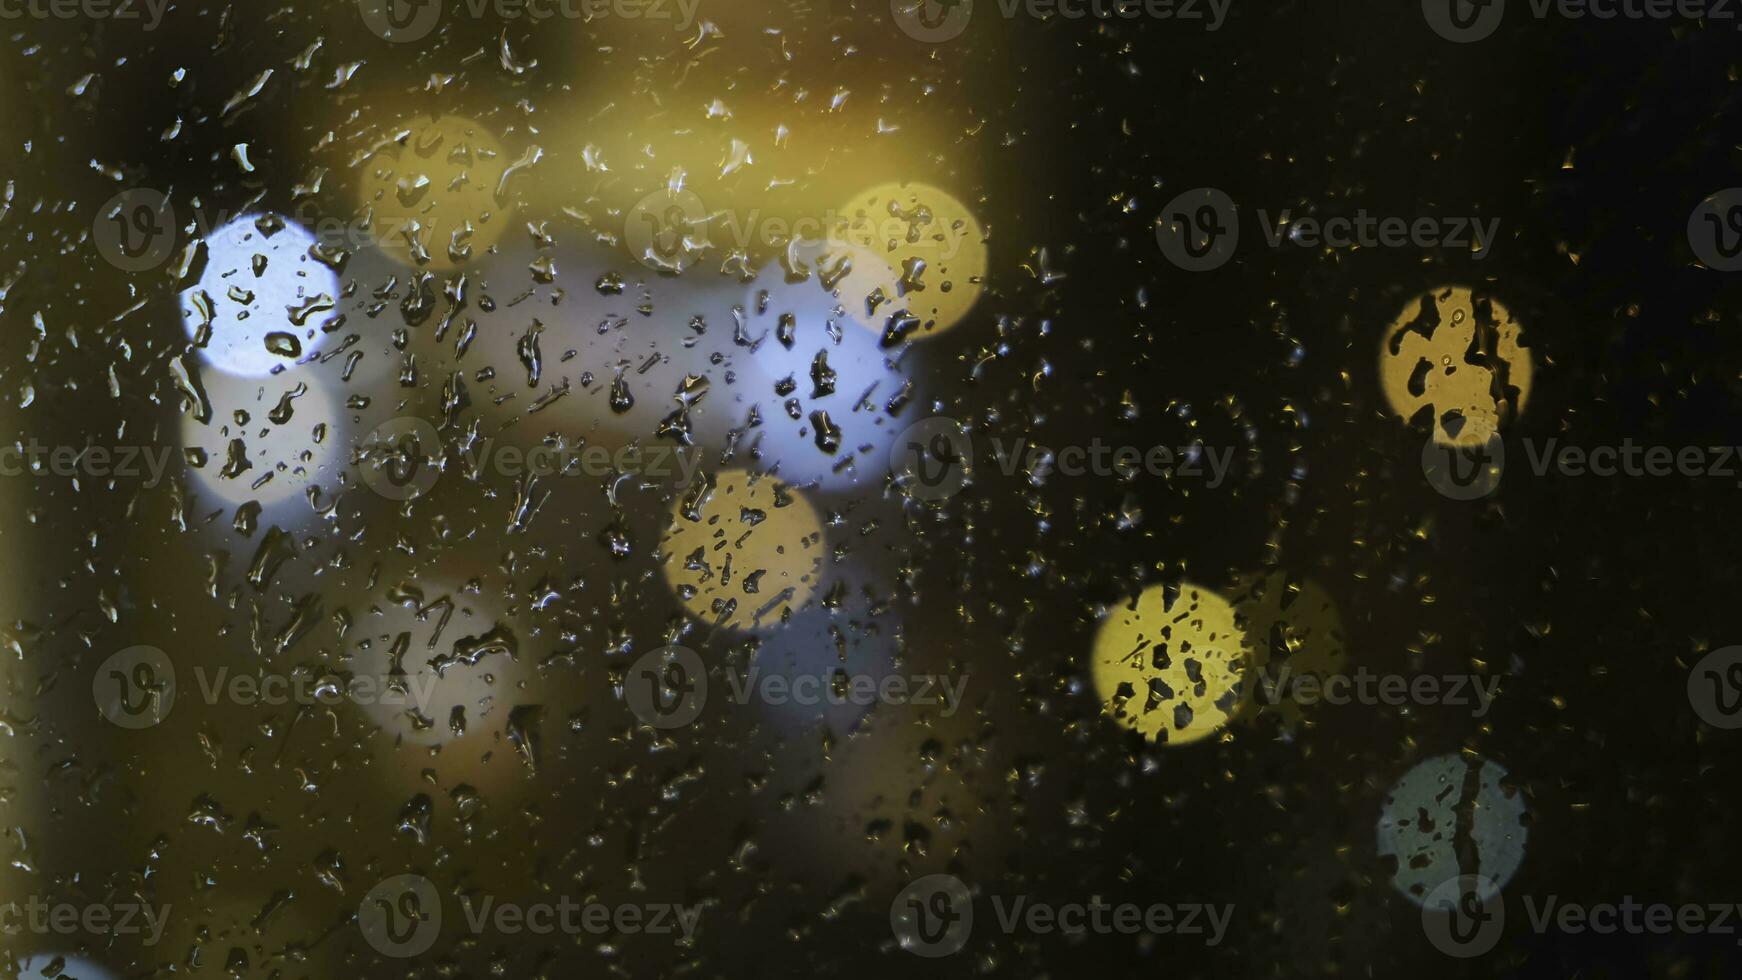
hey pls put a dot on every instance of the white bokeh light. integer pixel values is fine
(259, 280)
(307, 447)
(1421, 831)
(866, 376)
(36, 964)
(462, 708)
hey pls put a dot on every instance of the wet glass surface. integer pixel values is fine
(663, 488)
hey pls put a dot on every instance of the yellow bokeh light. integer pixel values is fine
(935, 775)
(440, 678)
(865, 288)
(1171, 671)
(1294, 630)
(1460, 354)
(932, 244)
(432, 192)
(742, 552)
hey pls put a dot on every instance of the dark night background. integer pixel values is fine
(1591, 142)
